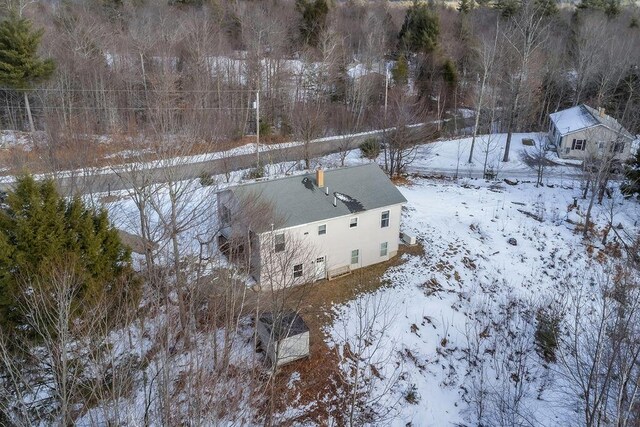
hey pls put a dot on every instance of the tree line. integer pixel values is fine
(192, 69)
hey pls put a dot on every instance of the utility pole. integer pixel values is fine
(386, 91)
(257, 105)
(384, 131)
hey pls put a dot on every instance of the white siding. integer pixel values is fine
(340, 239)
(594, 136)
(287, 349)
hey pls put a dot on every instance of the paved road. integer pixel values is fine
(86, 182)
(125, 177)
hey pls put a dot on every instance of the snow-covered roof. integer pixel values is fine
(358, 70)
(583, 117)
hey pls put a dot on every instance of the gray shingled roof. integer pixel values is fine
(583, 117)
(298, 200)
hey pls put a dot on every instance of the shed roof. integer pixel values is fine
(583, 117)
(285, 325)
(297, 200)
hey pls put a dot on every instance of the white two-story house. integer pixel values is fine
(310, 227)
(580, 132)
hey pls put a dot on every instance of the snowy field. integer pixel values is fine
(460, 288)
(452, 156)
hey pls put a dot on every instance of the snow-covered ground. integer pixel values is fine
(451, 156)
(455, 292)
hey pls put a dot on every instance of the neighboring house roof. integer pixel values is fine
(583, 117)
(359, 70)
(297, 200)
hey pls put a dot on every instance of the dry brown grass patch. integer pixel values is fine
(320, 377)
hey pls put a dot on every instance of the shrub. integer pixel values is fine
(206, 180)
(546, 335)
(265, 129)
(370, 148)
(255, 173)
(411, 395)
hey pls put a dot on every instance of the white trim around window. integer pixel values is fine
(355, 256)
(297, 271)
(384, 219)
(279, 243)
(384, 249)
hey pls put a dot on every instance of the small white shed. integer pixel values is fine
(284, 337)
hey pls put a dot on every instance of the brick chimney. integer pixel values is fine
(320, 178)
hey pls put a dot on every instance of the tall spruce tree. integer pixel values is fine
(420, 30)
(314, 19)
(400, 71)
(610, 7)
(39, 229)
(465, 6)
(631, 185)
(21, 68)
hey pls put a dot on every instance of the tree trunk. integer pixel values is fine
(477, 118)
(32, 128)
(512, 117)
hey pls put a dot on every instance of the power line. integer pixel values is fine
(102, 108)
(152, 91)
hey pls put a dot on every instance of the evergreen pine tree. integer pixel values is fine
(465, 6)
(508, 8)
(449, 73)
(631, 185)
(39, 229)
(400, 71)
(20, 67)
(546, 7)
(420, 30)
(314, 17)
(610, 7)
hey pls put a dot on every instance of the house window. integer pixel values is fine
(279, 242)
(618, 147)
(322, 229)
(226, 215)
(384, 219)
(353, 223)
(355, 256)
(297, 271)
(579, 144)
(383, 249)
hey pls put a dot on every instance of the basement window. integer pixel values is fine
(355, 256)
(384, 248)
(297, 271)
(279, 242)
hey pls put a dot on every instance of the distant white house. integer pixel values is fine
(310, 227)
(581, 131)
